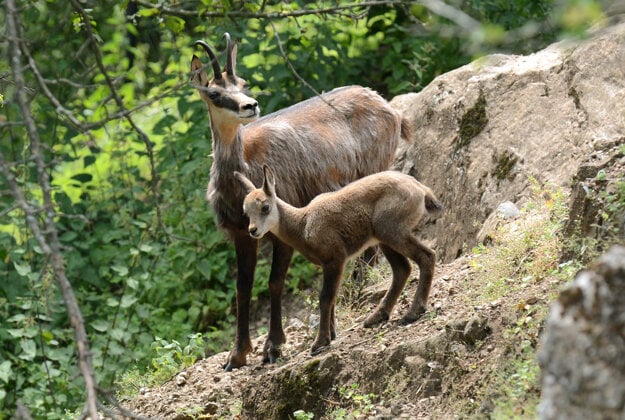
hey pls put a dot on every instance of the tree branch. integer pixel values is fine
(438, 7)
(267, 15)
(48, 237)
(60, 109)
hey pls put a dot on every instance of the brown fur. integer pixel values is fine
(384, 208)
(315, 146)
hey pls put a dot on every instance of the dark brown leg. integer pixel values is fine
(246, 249)
(282, 255)
(331, 280)
(401, 271)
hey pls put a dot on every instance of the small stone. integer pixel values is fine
(475, 330)
(211, 408)
(507, 210)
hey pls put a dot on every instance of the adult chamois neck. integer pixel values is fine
(224, 192)
(227, 146)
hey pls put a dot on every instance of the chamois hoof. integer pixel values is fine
(315, 350)
(272, 350)
(411, 317)
(233, 364)
(376, 318)
(271, 355)
(320, 345)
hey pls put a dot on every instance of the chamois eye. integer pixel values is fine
(264, 209)
(213, 95)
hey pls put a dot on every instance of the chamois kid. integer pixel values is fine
(384, 208)
(315, 146)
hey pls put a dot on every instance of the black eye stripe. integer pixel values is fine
(224, 101)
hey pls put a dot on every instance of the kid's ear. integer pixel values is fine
(269, 183)
(247, 184)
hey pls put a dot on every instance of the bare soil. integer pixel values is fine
(437, 367)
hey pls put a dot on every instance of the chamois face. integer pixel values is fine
(260, 204)
(226, 97)
(262, 211)
(226, 94)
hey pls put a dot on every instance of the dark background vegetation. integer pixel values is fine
(117, 175)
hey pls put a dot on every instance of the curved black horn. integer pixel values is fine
(213, 58)
(229, 58)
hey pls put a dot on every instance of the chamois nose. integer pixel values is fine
(253, 230)
(250, 105)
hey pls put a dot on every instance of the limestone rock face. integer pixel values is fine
(481, 131)
(582, 347)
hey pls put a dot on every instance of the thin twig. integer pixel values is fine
(295, 73)
(127, 414)
(57, 104)
(126, 112)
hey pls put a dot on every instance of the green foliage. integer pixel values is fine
(138, 239)
(303, 415)
(527, 248)
(167, 359)
(515, 384)
(353, 404)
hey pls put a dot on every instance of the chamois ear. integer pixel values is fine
(269, 183)
(247, 184)
(198, 75)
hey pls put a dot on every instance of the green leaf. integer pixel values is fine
(68, 236)
(122, 270)
(132, 283)
(148, 12)
(146, 248)
(16, 332)
(29, 349)
(47, 336)
(83, 177)
(88, 160)
(22, 269)
(18, 318)
(128, 300)
(100, 325)
(5, 371)
(175, 23)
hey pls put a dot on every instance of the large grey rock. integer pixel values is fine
(583, 347)
(483, 130)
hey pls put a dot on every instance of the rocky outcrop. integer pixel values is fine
(582, 347)
(483, 130)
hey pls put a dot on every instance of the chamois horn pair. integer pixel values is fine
(230, 47)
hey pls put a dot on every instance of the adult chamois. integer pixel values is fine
(315, 146)
(384, 208)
